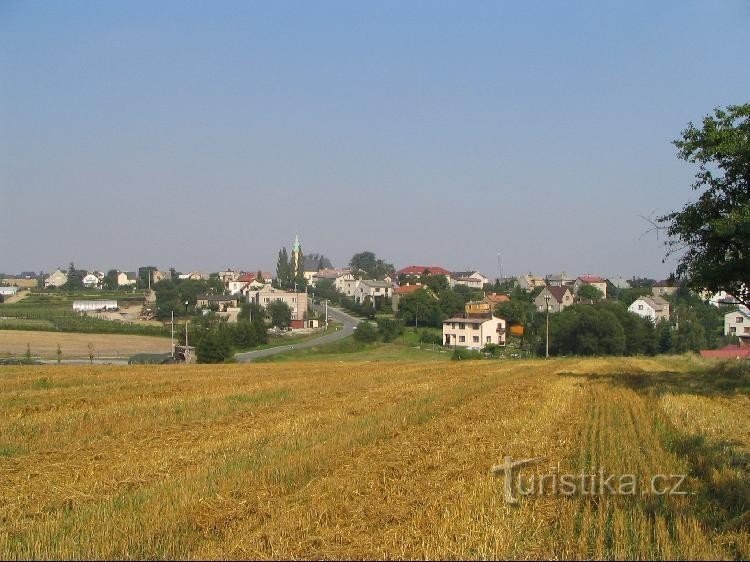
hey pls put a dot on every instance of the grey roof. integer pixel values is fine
(374, 283)
(619, 283)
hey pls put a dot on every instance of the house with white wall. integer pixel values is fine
(655, 308)
(593, 280)
(56, 279)
(471, 279)
(473, 333)
(737, 323)
(345, 284)
(296, 301)
(376, 290)
(126, 278)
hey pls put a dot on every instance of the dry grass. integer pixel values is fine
(44, 344)
(359, 460)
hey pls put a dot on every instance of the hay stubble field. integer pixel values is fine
(369, 460)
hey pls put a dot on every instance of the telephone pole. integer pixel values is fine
(546, 354)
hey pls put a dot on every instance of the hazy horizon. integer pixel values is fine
(202, 136)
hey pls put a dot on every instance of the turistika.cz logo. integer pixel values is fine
(597, 483)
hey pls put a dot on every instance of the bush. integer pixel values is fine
(493, 350)
(429, 337)
(365, 332)
(213, 347)
(389, 328)
(461, 353)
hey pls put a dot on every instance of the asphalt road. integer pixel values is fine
(348, 322)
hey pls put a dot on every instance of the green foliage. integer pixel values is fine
(213, 347)
(172, 294)
(369, 266)
(461, 354)
(389, 328)
(664, 337)
(629, 296)
(712, 234)
(430, 337)
(586, 330)
(75, 278)
(590, 292)
(284, 276)
(143, 276)
(279, 313)
(690, 334)
(251, 311)
(110, 280)
(365, 332)
(420, 308)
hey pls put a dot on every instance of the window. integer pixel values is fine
(732, 330)
(640, 307)
(475, 339)
(462, 339)
(489, 339)
(747, 329)
(739, 320)
(475, 326)
(461, 326)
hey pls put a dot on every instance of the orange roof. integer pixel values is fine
(407, 289)
(497, 298)
(592, 279)
(246, 278)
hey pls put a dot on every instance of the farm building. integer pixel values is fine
(8, 291)
(94, 306)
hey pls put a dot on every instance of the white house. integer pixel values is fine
(473, 333)
(472, 279)
(655, 308)
(737, 323)
(91, 280)
(126, 278)
(376, 290)
(346, 284)
(56, 279)
(264, 296)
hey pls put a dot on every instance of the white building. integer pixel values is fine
(94, 306)
(376, 290)
(56, 279)
(473, 333)
(346, 284)
(471, 279)
(8, 291)
(91, 280)
(264, 296)
(126, 278)
(655, 308)
(737, 323)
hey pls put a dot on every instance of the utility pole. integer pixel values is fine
(546, 354)
(173, 334)
(499, 269)
(186, 334)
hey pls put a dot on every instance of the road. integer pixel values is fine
(347, 321)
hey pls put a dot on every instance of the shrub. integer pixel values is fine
(390, 328)
(365, 332)
(461, 353)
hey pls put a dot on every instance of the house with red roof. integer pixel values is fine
(417, 270)
(593, 280)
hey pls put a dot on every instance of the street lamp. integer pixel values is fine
(546, 300)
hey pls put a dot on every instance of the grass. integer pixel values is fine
(348, 349)
(73, 345)
(370, 460)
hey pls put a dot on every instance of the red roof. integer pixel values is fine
(246, 278)
(592, 279)
(497, 298)
(728, 352)
(419, 269)
(407, 289)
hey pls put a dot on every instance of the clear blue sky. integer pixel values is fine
(205, 134)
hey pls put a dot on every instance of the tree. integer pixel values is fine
(212, 347)
(75, 278)
(714, 231)
(420, 308)
(368, 265)
(589, 292)
(365, 332)
(664, 337)
(280, 314)
(586, 330)
(690, 335)
(390, 328)
(110, 280)
(144, 274)
(91, 352)
(252, 312)
(283, 269)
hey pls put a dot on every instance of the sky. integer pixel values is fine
(201, 135)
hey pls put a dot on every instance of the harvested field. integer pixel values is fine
(72, 345)
(371, 460)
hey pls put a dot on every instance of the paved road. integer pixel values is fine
(348, 322)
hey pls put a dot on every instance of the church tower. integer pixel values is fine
(296, 257)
